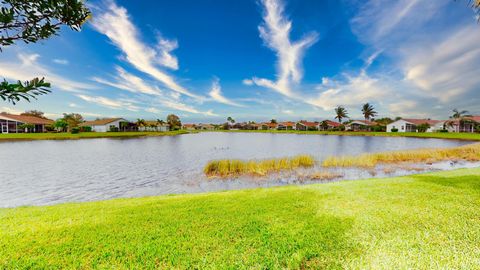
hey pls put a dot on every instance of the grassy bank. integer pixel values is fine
(233, 167)
(437, 135)
(469, 152)
(417, 222)
(84, 135)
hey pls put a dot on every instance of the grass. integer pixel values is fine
(233, 168)
(426, 221)
(469, 152)
(435, 135)
(84, 135)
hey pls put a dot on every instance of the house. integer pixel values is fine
(154, 126)
(328, 125)
(12, 123)
(106, 124)
(360, 125)
(410, 125)
(189, 126)
(205, 127)
(268, 126)
(286, 126)
(466, 124)
(305, 125)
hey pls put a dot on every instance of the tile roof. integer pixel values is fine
(308, 124)
(332, 123)
(26, 119)
(422, 121)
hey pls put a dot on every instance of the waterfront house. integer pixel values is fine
(12, 123)
(328, 125)
(360, 125)
(106, 124)
(189, 126)
(411, 125)
(269, 126)
(286, 126)
(205, 127)
(466, 124)
(154, 126)
(305, 125)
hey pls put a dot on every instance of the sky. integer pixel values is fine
(256, 60)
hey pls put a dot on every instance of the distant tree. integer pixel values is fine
(273, 121)
(30, 21)
(384, 121)
(141, 123)
(324, 125)
(226, 126)
(340, 113)
(174, 122)
(60, 125)
(160, 122)
(73, 119)
(459, 114)
(368, 111)
(27, 127)
(231, 120)
(35, 113)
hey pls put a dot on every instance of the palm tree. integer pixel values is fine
(141, 123)
(341, 113)
(461, 117)
(231, 120)
(273, 121)
(459, 114)
(368, 111)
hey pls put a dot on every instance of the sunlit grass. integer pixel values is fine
(85, 135)
(467, 152)
(427, 221)
(233, 167)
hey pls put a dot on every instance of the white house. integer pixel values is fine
(104, 125)
(154, 126)
(410, 125)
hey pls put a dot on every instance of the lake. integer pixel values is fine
(50, 172)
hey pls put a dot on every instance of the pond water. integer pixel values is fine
(49, 172)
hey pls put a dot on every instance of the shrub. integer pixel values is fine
(394, 130)
(75, 130)
(443, 131)
(113, 129)
(378, 128)
(86, 129)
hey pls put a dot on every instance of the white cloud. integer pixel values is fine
(29, 68)
(109, 103)
(275, 32)
(153, 110)
(289, 112)
(10, 110)
(73, 105)
(247, 82)
(184, 107)
(60, 61)
(129, 82)
(166, 58)
(216, 94)
(114, 22)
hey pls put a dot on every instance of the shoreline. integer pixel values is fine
(15, 137)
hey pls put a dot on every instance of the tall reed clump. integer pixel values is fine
(467, 152)
(233, 168)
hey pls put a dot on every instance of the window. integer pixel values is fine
(403, 127)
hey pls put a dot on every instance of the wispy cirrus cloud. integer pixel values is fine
(129, 82)
(184, 107)
(216, 94)
(28, 67)
(109, 103)
(275, 32)
(114, 22)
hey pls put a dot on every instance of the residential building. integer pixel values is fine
(360, 125)
(305, 125)
(105, 125)
(286, 126)
(154, 126)
(12, 123)
(410, 125)
(189, 126)
(466, 124)
(328, 125)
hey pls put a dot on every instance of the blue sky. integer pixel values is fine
(257, 60)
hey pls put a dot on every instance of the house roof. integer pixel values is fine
(422, 121)
(363, 122)
(100, 122)
(189, 125)
(156, 123)
(332, 123)
(271, 125)
(27, 119)
(308, 124)
(287, 124)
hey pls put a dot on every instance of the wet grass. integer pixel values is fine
(84, 135)
(469, 152)
(426, 221)
(234, 168)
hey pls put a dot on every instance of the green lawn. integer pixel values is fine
(84, 135)
(451, 135)
(427, 221)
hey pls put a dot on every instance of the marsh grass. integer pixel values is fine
(324, 175)
(234, 168)
(467, 152)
